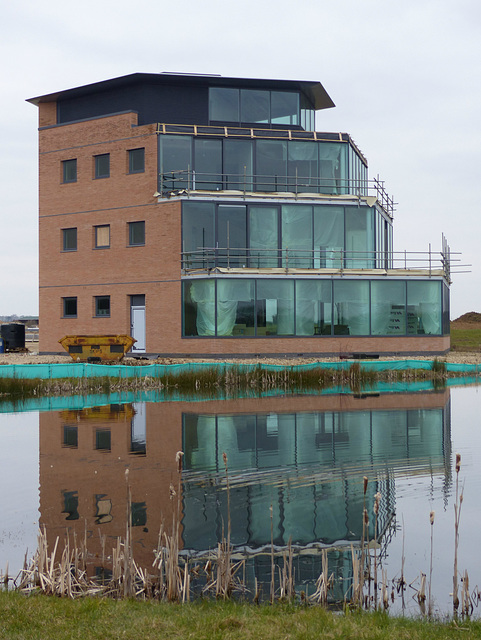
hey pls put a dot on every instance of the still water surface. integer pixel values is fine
(301, 458)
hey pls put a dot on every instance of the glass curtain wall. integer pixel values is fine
(309, 237)
(311, 307)
(277, 165)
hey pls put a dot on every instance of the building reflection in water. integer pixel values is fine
(295, 468)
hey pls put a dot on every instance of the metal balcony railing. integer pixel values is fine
(173, 182)
(208, 258)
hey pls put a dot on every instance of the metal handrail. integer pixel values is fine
(172, 182)
(322, 258)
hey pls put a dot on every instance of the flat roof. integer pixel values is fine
(314, 90)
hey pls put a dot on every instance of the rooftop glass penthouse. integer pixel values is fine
(226, 225)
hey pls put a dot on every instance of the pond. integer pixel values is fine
(295, 470)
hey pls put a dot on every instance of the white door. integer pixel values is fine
(137, 315)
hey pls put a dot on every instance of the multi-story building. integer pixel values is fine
(206, 216)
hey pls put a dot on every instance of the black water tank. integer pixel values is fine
(13, 335)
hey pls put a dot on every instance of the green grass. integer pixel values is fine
(49, 618)
(466, 339)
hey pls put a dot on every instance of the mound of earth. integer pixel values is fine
(470, 317)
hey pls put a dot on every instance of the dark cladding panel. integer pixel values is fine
(168, 103)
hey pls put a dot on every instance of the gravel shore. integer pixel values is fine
(32, 357)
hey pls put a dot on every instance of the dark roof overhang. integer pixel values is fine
(313, 90)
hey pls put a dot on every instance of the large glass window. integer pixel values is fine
(351, 307)
(424, 307)
(199, 308)
(275, 307)
(297, 236)
(231, 236)
(235, 307)
(271, 165)
(328, 237)
(238, 169)
(198, 235)
(302, 166)
(388, 308)
(359, 238)
(332, 168)
(255, 106)
(284, 107)
(313, 307)
(175, 161)
(208, 164)
(224, 104)
(263, 237)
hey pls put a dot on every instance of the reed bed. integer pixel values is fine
(214, 381)
(66, 570)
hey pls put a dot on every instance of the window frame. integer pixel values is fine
(65, 243)
(131, 160)
(98, 174)
(96, 236)
(72, 163)
(65, 301)
(131, 227)
(97, 313)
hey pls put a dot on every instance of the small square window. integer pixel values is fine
(69, 307)
(102, 439)
(102, 236)
(136, 233)
(102, 166)
(136, 160)
(69, 170)
(69, 239)
(102, 306)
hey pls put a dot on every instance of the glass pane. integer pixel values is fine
(231, 236)
(238, 168)
(136, 160)
(70, 170)
(199, 308)
(175, 161)
(263, 237)
(235, 307)
(207, 164)
(388, 308)
(328, 237)
(275, 307)
(284, 107)
(271, 165)
(297, 236)
(313, 307)
(351, 307)
(224, 104)
(302, 166)
(424, 307)
(102, 166)
(102, 306)
(332, 167)
(359, 238)
(198, 235)
(255, 106)
(137, 233)
(70, 307)
(102, 236)
(70, 239)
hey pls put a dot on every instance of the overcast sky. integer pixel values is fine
(405, 78)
